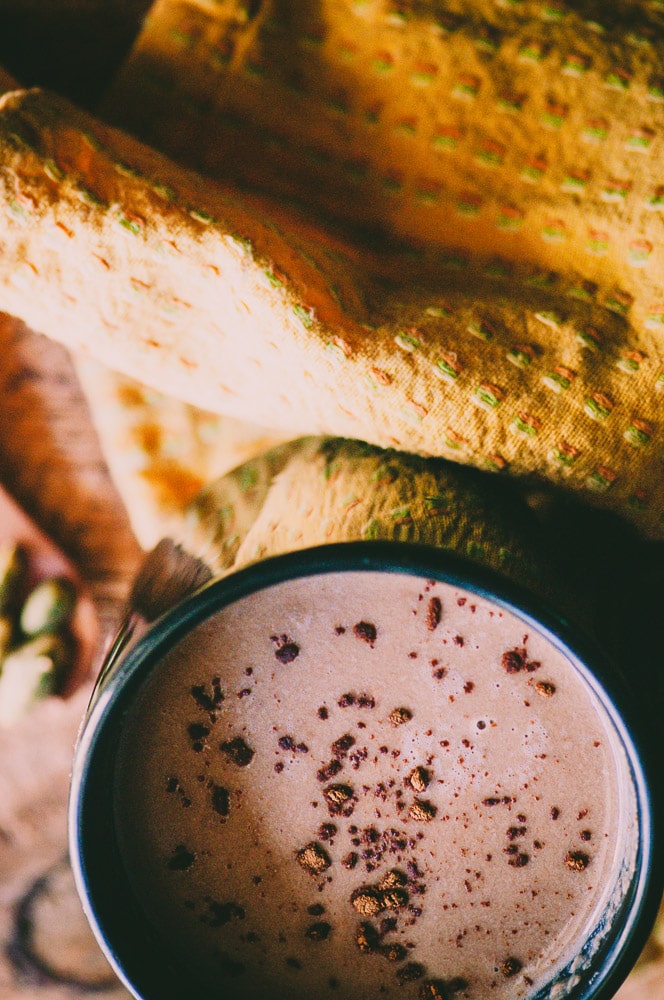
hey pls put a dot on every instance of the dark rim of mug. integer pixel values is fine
(115, 916)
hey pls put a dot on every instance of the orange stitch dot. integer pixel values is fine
(496, 462)
(408, 340)
(468, 205)
(618, 79)
(590, 338)
(381, 376)
(527, 424)
(448, 366)
(531, 51)
(598, 406)
(597, 242)
(619, 302)
(481, 329)
(575, 65)
(509, 218)
(406, 126)
(467, 87)
(640, 140)
(383, 62)
(491, 153)
(559, 378)
(423, 74)
(601, 479)
(554, 115)
(446, 137)
(575, 182)
(427, 190)
(630, 361)
(564, 454)
(639, 433)
(343, 346)
(554, 231)
(534, 169)
(521, 355)
(488, 396)
(510, 101)
(454, 440)
(595, 131)
(639, 252)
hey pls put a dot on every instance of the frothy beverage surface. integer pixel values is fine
(368, 785)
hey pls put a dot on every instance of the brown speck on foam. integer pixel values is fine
(510, 967)
(392, 879)
(329, 770)
(313, 858)
(367, 901)
(433, 989)
(219, 914)
(318, 931)
(365, 631)
(208, 699)
(220, 800)
(181, 860)
(434, 613)
(287, 653)
(237, 751)
(419, 778)
(197, 733)
(577, 861)
(316, 909)
(393, 952)
(422, 811)
(586, 835)
(366, 938)
(393, 899)
(341, 746)
(554, 812)
(545, 688)
(409, 973)
(513, 661)
(515, 857)
(398, 716)
(350, 860)
(340, 799)
(322, 713)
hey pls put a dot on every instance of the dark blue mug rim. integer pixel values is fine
(97, 866)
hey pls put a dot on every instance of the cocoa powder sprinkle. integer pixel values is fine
(398, 716)
(366, 631)
(510, 967)
(422, 811)
(237, 751)
(419, 778)
(434, 613)
(367, 901)
(314, 858)
(577, 861)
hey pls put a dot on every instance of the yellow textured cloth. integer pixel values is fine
(514, 146)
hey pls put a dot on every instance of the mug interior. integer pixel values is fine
(137, 951)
